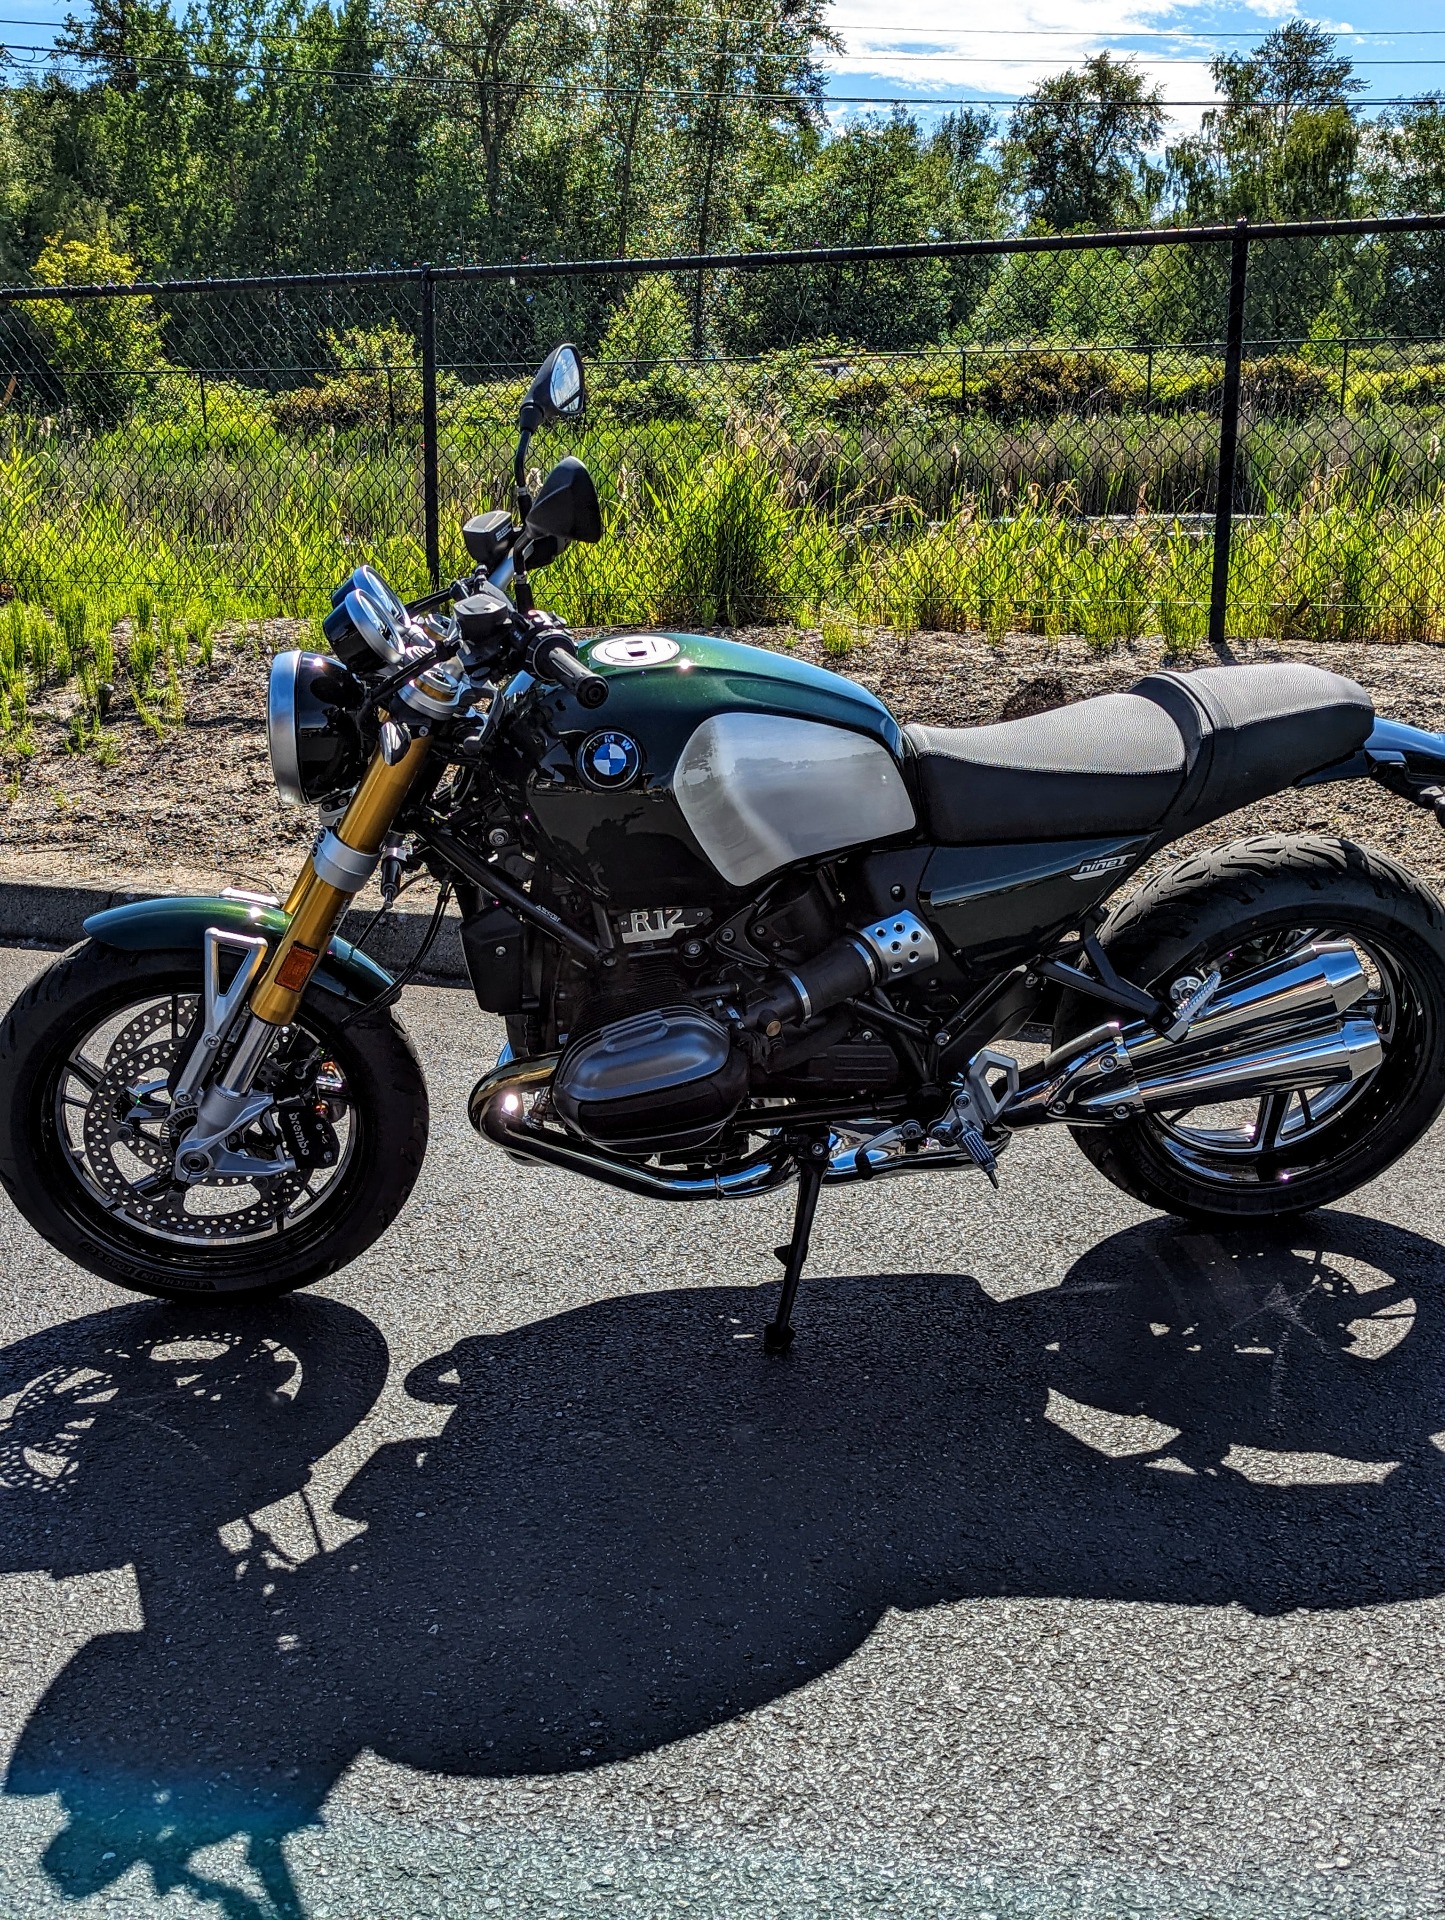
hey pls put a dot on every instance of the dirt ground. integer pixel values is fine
(197, 808)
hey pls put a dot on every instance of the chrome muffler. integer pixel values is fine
(1278, 1029)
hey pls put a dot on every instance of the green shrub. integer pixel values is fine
(1418, 386)
(636, 373)
(377, 384)
(663, 393)
(1282, 386)
(106, 352)
(1019, 386)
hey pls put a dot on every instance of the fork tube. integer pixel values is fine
(314, 905)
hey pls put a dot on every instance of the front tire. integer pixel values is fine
(1234, 909)
(93, 1182)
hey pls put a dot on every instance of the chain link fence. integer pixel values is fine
(1190, 433)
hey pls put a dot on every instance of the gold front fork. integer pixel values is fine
(314, 906)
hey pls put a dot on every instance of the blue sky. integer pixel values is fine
(1399, 45)
(921, 50)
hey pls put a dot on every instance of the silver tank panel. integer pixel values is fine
(760, 790)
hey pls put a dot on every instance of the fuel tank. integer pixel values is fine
(712, 765)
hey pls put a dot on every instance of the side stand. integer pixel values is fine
(812, 1158)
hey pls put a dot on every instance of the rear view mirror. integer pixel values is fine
(558, 392)
(566, 508)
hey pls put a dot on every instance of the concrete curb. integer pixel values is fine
(39, 915)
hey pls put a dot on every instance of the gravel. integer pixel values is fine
(1073, 1564)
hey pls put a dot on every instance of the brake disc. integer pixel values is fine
(128, 1162)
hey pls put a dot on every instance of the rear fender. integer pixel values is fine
(179, 923)
(1406, 759)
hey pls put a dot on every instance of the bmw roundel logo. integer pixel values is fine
(608, 760)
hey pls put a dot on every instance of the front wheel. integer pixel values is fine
(1235, 910)
(87, 1139)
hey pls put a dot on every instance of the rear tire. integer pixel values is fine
(150, 1245)
(1245, 899)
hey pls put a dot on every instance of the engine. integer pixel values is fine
(672, 1078)
(668, 1080)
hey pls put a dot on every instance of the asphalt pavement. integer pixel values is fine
(1072, 1564)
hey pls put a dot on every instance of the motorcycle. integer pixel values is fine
(744, 930)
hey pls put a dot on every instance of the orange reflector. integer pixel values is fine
(296, 968)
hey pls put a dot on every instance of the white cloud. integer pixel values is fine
(923, 48)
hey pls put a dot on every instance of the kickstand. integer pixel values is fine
(778, 1333)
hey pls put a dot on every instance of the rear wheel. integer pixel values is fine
(87, 1134)
(1233, 910)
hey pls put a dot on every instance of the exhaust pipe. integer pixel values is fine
(1277, 1029)
(1285, 1027)
(1317, 982)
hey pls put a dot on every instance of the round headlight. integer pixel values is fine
(313, 710)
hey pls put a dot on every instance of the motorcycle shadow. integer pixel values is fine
(633, 1527)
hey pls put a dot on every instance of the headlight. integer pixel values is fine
(313, 729)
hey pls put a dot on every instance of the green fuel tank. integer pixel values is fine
(712, 766)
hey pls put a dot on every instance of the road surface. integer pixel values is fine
(1073, 1564)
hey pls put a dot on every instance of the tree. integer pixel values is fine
(1282, 143)
(102, 349)
(1077, 149)
(1404, 172)
(506, 65)
(869, 185)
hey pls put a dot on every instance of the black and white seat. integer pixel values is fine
(1177, 750)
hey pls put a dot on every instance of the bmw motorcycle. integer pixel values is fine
(744, 929)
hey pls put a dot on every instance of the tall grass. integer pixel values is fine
(67, 653)
(724, 544)
(920, 519)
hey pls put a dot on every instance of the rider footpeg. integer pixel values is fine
(980, 1152)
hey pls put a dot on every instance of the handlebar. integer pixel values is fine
(554, 659)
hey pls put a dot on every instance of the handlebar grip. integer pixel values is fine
(557, 661)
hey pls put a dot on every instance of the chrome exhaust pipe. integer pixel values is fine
(1275, 1030)
(500, 1110)
(1338, 1056)
(1317, 982)
(1283, 1028)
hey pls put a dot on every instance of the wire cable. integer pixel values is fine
(188, 68)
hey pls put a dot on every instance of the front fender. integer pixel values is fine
(180, 922)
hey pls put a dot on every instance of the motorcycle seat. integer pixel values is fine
(1175, 751)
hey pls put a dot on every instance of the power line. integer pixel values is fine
(1135, 33)
(186, 66)
(1041, 60)
(1008, 33)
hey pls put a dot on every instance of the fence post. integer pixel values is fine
(1344, 372)
(1228, 434)
(430, 456)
